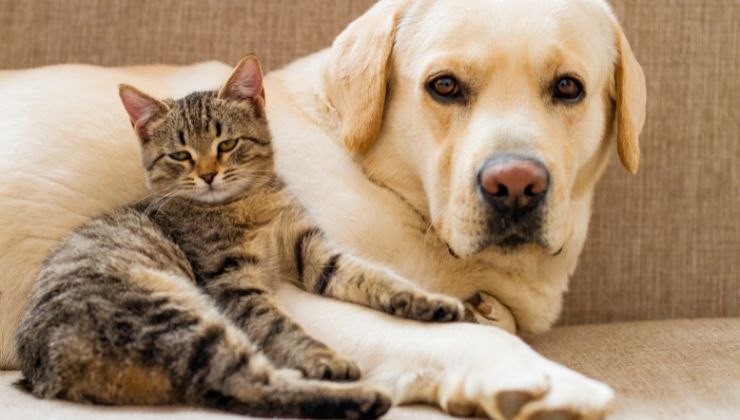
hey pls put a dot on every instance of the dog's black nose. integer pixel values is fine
(513, 185)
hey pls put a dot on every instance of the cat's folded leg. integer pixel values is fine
(153, 339)
(326, 271)
(218, 366)
(250, 307)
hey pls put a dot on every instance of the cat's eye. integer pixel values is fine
(227, 145)
(180, 156)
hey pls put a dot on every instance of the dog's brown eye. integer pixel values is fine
(445, 88)
(568, 89)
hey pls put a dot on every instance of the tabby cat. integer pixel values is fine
(168, 300)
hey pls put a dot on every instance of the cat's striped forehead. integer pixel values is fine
(198, 116)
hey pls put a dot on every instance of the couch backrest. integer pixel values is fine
(663, 244)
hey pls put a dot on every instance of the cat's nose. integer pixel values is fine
(208, 178)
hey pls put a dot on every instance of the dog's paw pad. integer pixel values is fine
(510, 403)
(460, 409)
(555, 415)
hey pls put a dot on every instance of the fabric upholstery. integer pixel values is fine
(663, 244)
(679, 369)
(660, 370)
(114, 33)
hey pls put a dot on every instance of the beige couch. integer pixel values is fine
(664, 245)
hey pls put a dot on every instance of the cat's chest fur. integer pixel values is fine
(217, 237)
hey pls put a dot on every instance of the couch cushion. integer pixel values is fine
(667, 369)
(664, 369)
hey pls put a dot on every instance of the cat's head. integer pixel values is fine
(207, 146)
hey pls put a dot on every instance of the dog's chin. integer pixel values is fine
(513, 244)
(500, 245)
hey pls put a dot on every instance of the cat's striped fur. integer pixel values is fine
(168, 300)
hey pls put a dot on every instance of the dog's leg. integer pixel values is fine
(463, 368)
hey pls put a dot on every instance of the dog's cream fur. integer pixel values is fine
(384, 169)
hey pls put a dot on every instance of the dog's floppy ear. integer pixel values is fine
(631, 97)
(356, 77)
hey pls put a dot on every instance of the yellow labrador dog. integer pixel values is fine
(458, 142)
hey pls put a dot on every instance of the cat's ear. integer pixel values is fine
(245, 82)
(141, 108)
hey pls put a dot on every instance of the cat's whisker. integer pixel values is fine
(160, 202)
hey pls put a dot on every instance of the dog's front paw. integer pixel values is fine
(485, 309)
(422, 306)
(520, 384)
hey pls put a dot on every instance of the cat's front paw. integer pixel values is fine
(426, 306)
(371, 404)
(331, 367)
(347, 402)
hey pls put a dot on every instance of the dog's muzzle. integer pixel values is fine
(514, 189)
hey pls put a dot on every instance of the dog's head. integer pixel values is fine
(499, 113)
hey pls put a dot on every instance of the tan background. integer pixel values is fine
(663, 244)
